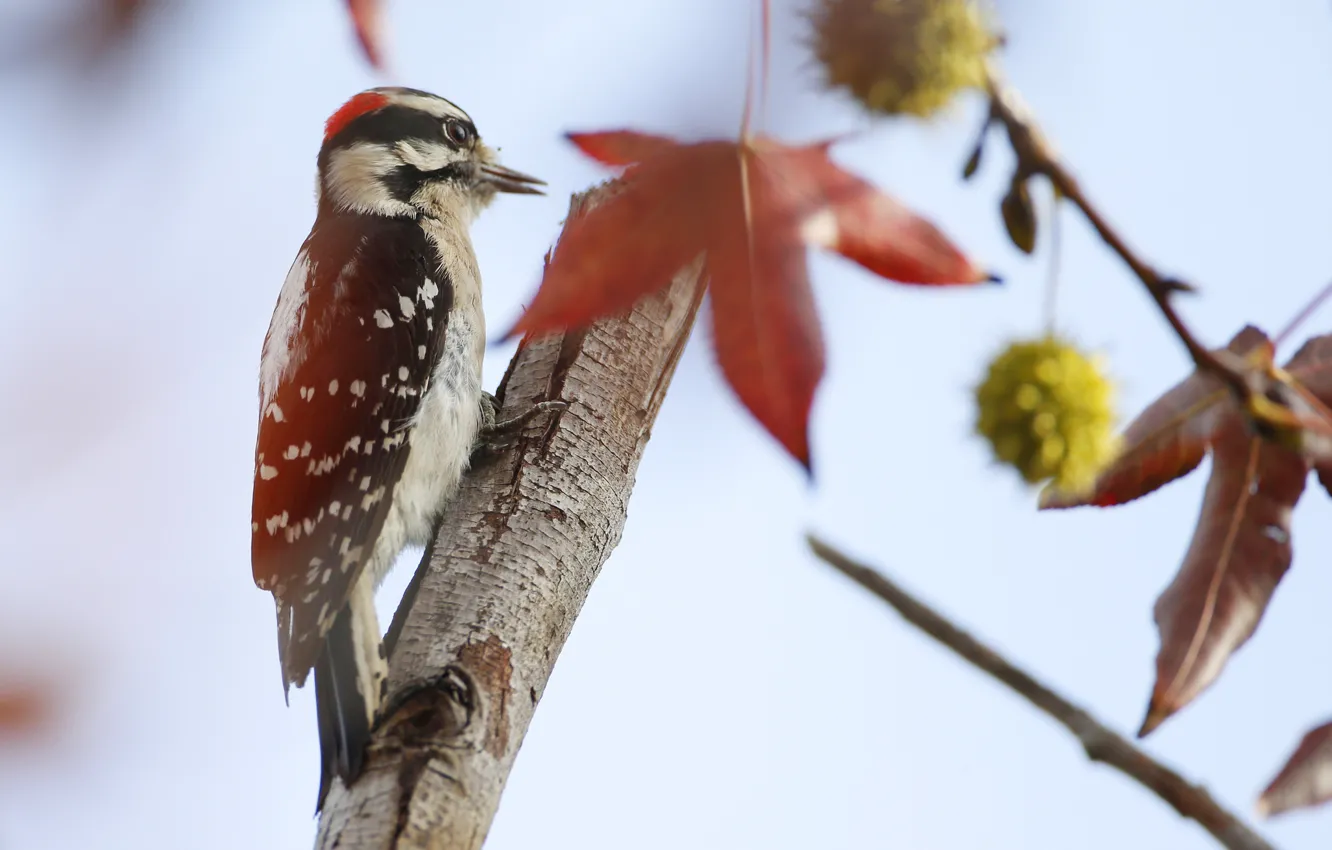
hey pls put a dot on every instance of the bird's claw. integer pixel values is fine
(525, 417)
(489, 439)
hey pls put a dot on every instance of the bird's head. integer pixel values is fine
(402, 152)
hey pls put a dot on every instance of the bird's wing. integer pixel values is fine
(348, 360)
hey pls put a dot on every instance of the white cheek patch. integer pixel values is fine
(355, 180)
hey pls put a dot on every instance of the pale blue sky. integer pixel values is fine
(721, 689)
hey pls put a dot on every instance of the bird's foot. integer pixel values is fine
(496, 434)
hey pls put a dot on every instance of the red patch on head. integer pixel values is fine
(366, 101)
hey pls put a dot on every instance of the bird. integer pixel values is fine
(370, 397)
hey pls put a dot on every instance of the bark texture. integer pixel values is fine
(497, 594)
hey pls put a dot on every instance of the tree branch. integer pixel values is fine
(510, 568)
(1102, 744)
(1035, 155)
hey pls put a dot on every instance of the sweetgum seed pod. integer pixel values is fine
(1047, 411)
(902, 56)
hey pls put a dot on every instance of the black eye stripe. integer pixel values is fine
(403, 182)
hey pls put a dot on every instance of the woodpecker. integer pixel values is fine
(370, 394)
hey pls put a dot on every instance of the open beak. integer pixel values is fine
(508, 180)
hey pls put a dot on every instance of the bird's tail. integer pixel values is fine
(349, 679)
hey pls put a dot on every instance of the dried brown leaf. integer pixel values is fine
(1306, 778)
(1241, 548)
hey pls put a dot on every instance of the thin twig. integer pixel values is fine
(1101, 743)
(1036, 156)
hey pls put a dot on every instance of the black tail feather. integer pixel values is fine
(344, 724)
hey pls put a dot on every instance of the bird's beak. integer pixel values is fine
(508, 180)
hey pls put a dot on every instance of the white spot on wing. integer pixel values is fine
(382, 319)
(369, 500)
(408, 308)
(358, 388)
(325, 464)
(333, 387)
(267, 472)
(428, 292)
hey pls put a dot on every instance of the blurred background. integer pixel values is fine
(722, 689)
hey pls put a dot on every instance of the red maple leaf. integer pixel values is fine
(366, 19)
(752, 208)
(1241, 547)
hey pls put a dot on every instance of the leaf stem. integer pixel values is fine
(1308, 311)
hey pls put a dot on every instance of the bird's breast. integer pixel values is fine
(445, 428)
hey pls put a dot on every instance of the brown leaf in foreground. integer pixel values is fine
(1241, 546)
(24, 707)
(1240, 551)
(1306, 778)
(753, 208)
(88, 32)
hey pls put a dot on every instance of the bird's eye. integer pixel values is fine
(458, 132)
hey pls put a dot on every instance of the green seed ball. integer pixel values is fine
(902, 56)
(1047, 410)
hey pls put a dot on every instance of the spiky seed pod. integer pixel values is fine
(1047, 410)
(902, 56)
